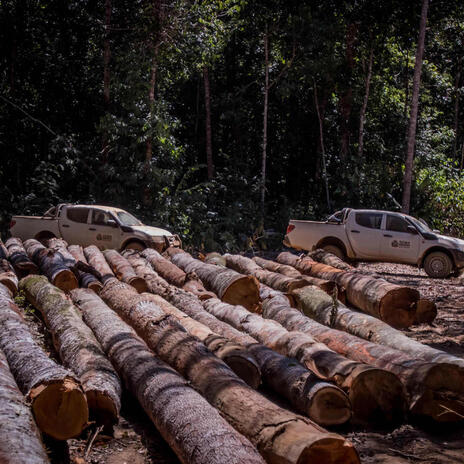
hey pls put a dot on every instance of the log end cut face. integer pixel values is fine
(65, 280)
(102, 408)
(60, 409)
(330, 406)
(377, 396)
(243, 291)
(397, 307)
(139, 284)
(245, 368)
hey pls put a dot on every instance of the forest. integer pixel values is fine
(220, 120)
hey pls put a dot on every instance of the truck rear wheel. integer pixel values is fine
(335, 250)
(438, 264)
(138, 246)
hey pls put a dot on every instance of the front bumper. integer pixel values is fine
(458, 257)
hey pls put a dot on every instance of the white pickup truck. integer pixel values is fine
(103, 226)
(371, 235)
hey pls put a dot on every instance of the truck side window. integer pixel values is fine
(369, 220)
(77, 214)
(396, 223)
(100, 217)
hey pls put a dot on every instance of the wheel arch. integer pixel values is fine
(44, 235)
(132, 240)
(433, 249)
(332, 241)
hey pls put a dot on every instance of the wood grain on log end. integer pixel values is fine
(102, 407)
(65, 280)
(95, 286)
(196, 287)
(377, 396)
(138, 283)
(60, 408)
(243, 291)
(426, 311)
(397, 307)
(329, 406)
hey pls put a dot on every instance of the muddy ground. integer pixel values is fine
(136, 441)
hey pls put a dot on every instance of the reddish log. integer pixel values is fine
(96, 259)
(123, 270)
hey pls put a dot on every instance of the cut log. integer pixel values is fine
(195, 286)
(96, 259)
(433, 388)
(426, 311)
(321, 402)
(280, 435)
(192, 427)
(22, 264)
(267, 292)
(376, 395)
(372, 329)
(229, 285)
(169, 271)
(393, 304)
(21, 442)
(272, 279)
(214, 258)
(123, 270)
(327, 285)
(8, 276)
(52, 264)
(58, 403)
(330, 259)
(77, 347)
(80, 268)
(3, 250)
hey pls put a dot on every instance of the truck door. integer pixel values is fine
(104, 230)
(363, 229)
(398, 243)
(73, 225)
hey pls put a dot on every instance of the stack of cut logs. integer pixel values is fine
(205, 344)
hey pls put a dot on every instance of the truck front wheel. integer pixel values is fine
(138, 246)
(438, 265)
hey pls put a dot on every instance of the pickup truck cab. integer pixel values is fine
(103, 226)
(372, 235)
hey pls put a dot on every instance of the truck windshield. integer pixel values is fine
(127, 219)
(421, 226)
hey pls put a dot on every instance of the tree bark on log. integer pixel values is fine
(91, 278)
(279, 435)
(58, 403)
(78, 348)
(330, 259)
(391, 303)
(431, 387)
(190, 425)
(372, 329)
(52, 264)
(3, 250)
(96, 259)
(327, 285)
(85, 278)
(22, 264)
(123, 270)
(376, 395)
(175, 275)
(8, 276)
(229, 285)
(273, 279)
(322, 402)
(21, 441)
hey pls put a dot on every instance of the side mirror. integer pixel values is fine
(412, 230)
(111, 223)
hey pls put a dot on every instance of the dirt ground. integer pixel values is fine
(136, 441)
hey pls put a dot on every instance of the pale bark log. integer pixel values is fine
(123, 270)
(374, 330)
(393, 304)
(77, 347)
(214, 258)
(192, 427)
(22, 264)
(278, 434)
(322, 402)
(272, 279)
(330, 259)
(85, 278)
(96, 259)
(56, 397)
(408, 171)
(8, 276)
(20, 441)
(229, 285)
(376, 395)
(431, 387)
(52, 264)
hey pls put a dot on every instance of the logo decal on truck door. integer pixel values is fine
(104, 238)
(400, 244)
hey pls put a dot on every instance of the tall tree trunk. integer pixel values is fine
(265, 117)
(362, 116)
(346, 101)
(209, 143)
(106, 75)
(456, 106)
(407, 182)
(322, 146)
